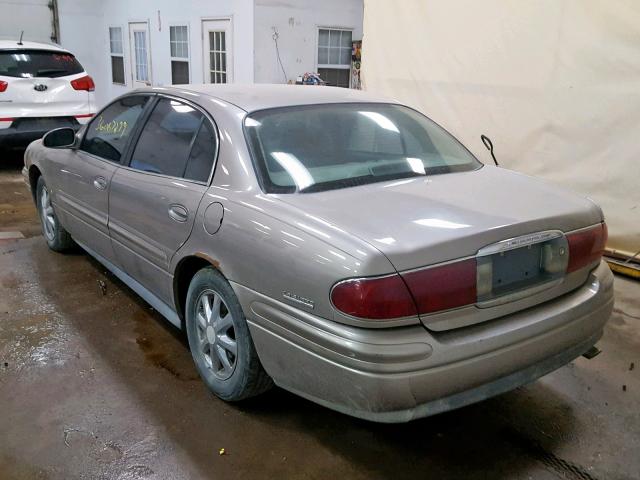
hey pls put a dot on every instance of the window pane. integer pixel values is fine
(179, 41)
(179, 72)
(334, 38)
(345, 56)
(345, 40)
(117, 70)
(335, 77)
(222, 41)
(323, 56)
(323, 38)
(165, 141)
(343, 78)
(140, 47)
(115, 39)
(334, 56)
(108, 133)
(202, 155)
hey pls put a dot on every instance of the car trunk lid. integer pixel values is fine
(421, 222)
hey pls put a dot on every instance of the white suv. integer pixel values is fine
(42, 87)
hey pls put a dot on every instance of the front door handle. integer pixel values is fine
(178, 213)
(100, 183)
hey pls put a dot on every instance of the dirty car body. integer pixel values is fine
(383, 271)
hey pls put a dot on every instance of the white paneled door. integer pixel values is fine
(218, 51)
(140, 56)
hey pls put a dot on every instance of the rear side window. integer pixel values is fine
(108, 133)
(38, 63)
(178, 141)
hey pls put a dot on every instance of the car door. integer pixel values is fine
(84, 175)
(154, 199)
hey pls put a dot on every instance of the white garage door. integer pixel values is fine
(34, 17)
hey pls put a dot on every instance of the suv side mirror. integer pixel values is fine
(60, 138)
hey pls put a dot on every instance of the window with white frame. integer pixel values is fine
(334, 56)
(179, 40)
(117, 55)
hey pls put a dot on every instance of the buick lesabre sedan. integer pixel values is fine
(342, 246)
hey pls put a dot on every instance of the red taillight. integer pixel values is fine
(374, 298)
(443, 287)
(83, 83)
(586, 246)
(3, 85)
(431, 289)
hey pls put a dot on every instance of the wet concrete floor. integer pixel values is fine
(95, 384)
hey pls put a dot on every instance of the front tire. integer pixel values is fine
(58, 239)
(220, 341)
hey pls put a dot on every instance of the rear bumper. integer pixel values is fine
(23, 131)
(396, 375)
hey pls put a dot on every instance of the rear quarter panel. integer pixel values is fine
(266, 245)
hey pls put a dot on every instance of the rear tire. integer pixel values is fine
(220, 341)
(58, 239)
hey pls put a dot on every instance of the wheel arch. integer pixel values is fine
(34, 175)
(186, 268)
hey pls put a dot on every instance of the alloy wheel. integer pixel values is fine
(216, 334)
(47, 214)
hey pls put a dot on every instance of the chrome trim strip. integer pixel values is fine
(517, 242)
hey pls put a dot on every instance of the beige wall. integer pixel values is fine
(554, 83)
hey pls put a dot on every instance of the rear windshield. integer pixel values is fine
(38, 63)
(323, 147)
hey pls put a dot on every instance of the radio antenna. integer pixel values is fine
(21, 34)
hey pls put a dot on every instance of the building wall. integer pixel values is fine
(85, 31)
(79, 21)
(297, 25)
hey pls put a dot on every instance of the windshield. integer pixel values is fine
(322, 147)
(38, 63)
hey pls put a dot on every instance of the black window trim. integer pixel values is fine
(119, 163)
(135, 137)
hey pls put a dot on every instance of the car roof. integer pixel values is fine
(14, 45)
(252, 97)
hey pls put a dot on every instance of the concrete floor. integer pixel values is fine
(98, 385)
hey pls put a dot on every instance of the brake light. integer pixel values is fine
(586, 246)
(83, 83)
(379, 298)
(3, 85)
(443, 287)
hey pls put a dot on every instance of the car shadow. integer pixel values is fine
(280, 434)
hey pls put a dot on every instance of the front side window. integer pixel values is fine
(177, 141)
(117, 55)
(38, 63)
(334, 56)
(179, 45)
(322, 147)
(108, 133)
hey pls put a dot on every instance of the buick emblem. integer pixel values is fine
(39, 87)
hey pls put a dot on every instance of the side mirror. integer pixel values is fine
(60, 138)
(487, 143)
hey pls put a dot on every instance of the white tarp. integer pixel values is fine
(554, 83)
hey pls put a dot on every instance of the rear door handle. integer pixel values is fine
(178, 213)
(100, 183)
